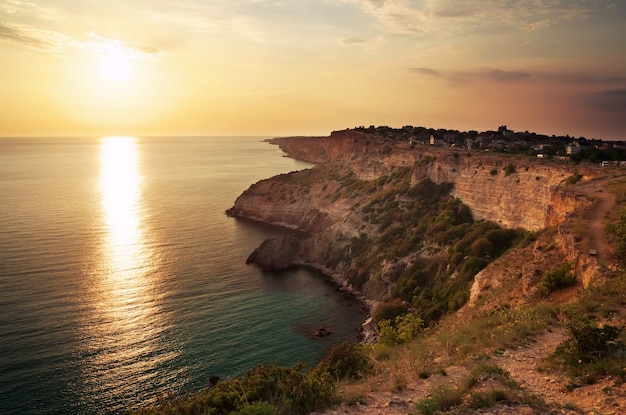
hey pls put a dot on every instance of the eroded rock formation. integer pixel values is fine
(326, 204)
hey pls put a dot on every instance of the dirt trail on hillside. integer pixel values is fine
(604, 398)
(604, 201)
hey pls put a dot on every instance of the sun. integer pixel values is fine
(115, 68)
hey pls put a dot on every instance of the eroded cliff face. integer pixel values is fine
(527, 195)
(326, 203)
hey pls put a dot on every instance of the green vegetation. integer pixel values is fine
(408, 220)
(591, 352)
(596, 155)
(573, 179)
(389, 310)
(509, 169)
(468, 395)
(596, 346)
(401, 329)
(618, 229)
(264, 389)
(275, 390)
(346, 361)
(558, 278)
(506, 327)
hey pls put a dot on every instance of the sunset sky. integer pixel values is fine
(257, 67)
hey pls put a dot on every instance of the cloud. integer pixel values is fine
(487, 74)
(452, 16)
(501, 76)
(149, 50)
(33, 38)
(427, 71)
(573, 78)
(354, 41)
(13, 34)
(50, 41)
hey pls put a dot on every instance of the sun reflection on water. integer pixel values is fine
(122, 336)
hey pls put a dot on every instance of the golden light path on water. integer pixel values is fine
(126, 321)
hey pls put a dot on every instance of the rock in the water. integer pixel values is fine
(275, 254)
(322, 332)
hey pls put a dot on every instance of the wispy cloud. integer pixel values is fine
(34, 38)
(12, 34)
(452, 16)
(486, 74)
(554, 77)
(50, 41)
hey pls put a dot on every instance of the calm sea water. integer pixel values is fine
(121, 278)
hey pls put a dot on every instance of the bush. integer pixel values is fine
(257, 408)
(591, 352)
(482, 247)
(442, 399)
(509, 169)
(388, 310)
(346, 361)
(402, 329)
(558, 278)
(263, 390)
(594, 342)
(387, 334)
(573, 179)
(619, 230)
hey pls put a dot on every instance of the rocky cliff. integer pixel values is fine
(364, 187)
(527, 195)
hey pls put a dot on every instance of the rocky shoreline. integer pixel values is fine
(277, 255)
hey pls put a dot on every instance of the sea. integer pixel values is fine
(123, 282)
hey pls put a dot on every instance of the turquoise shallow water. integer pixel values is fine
(121, 278)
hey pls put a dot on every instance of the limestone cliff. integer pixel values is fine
(527, 197)
(363, 187)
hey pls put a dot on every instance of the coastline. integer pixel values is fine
(367, 334)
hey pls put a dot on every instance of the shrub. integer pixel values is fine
(346, 361)
(493, 172)
(290, 390)
(619, 230)
(509, 169)
(263, 390)
(387, 334)
(591, 352)
(408, 327)
(442, 399)
(257, 408)
(573, 179)
(482, 247)
(388, 310)
(594, 342)
(558, 278)
(401, 330)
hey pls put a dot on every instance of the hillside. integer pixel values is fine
(362, 188)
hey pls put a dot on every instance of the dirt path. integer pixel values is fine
(604, 201)
(604, 398)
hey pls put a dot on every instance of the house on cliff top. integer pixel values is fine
(436, 140)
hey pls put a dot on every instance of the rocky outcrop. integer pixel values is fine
(275, 254)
